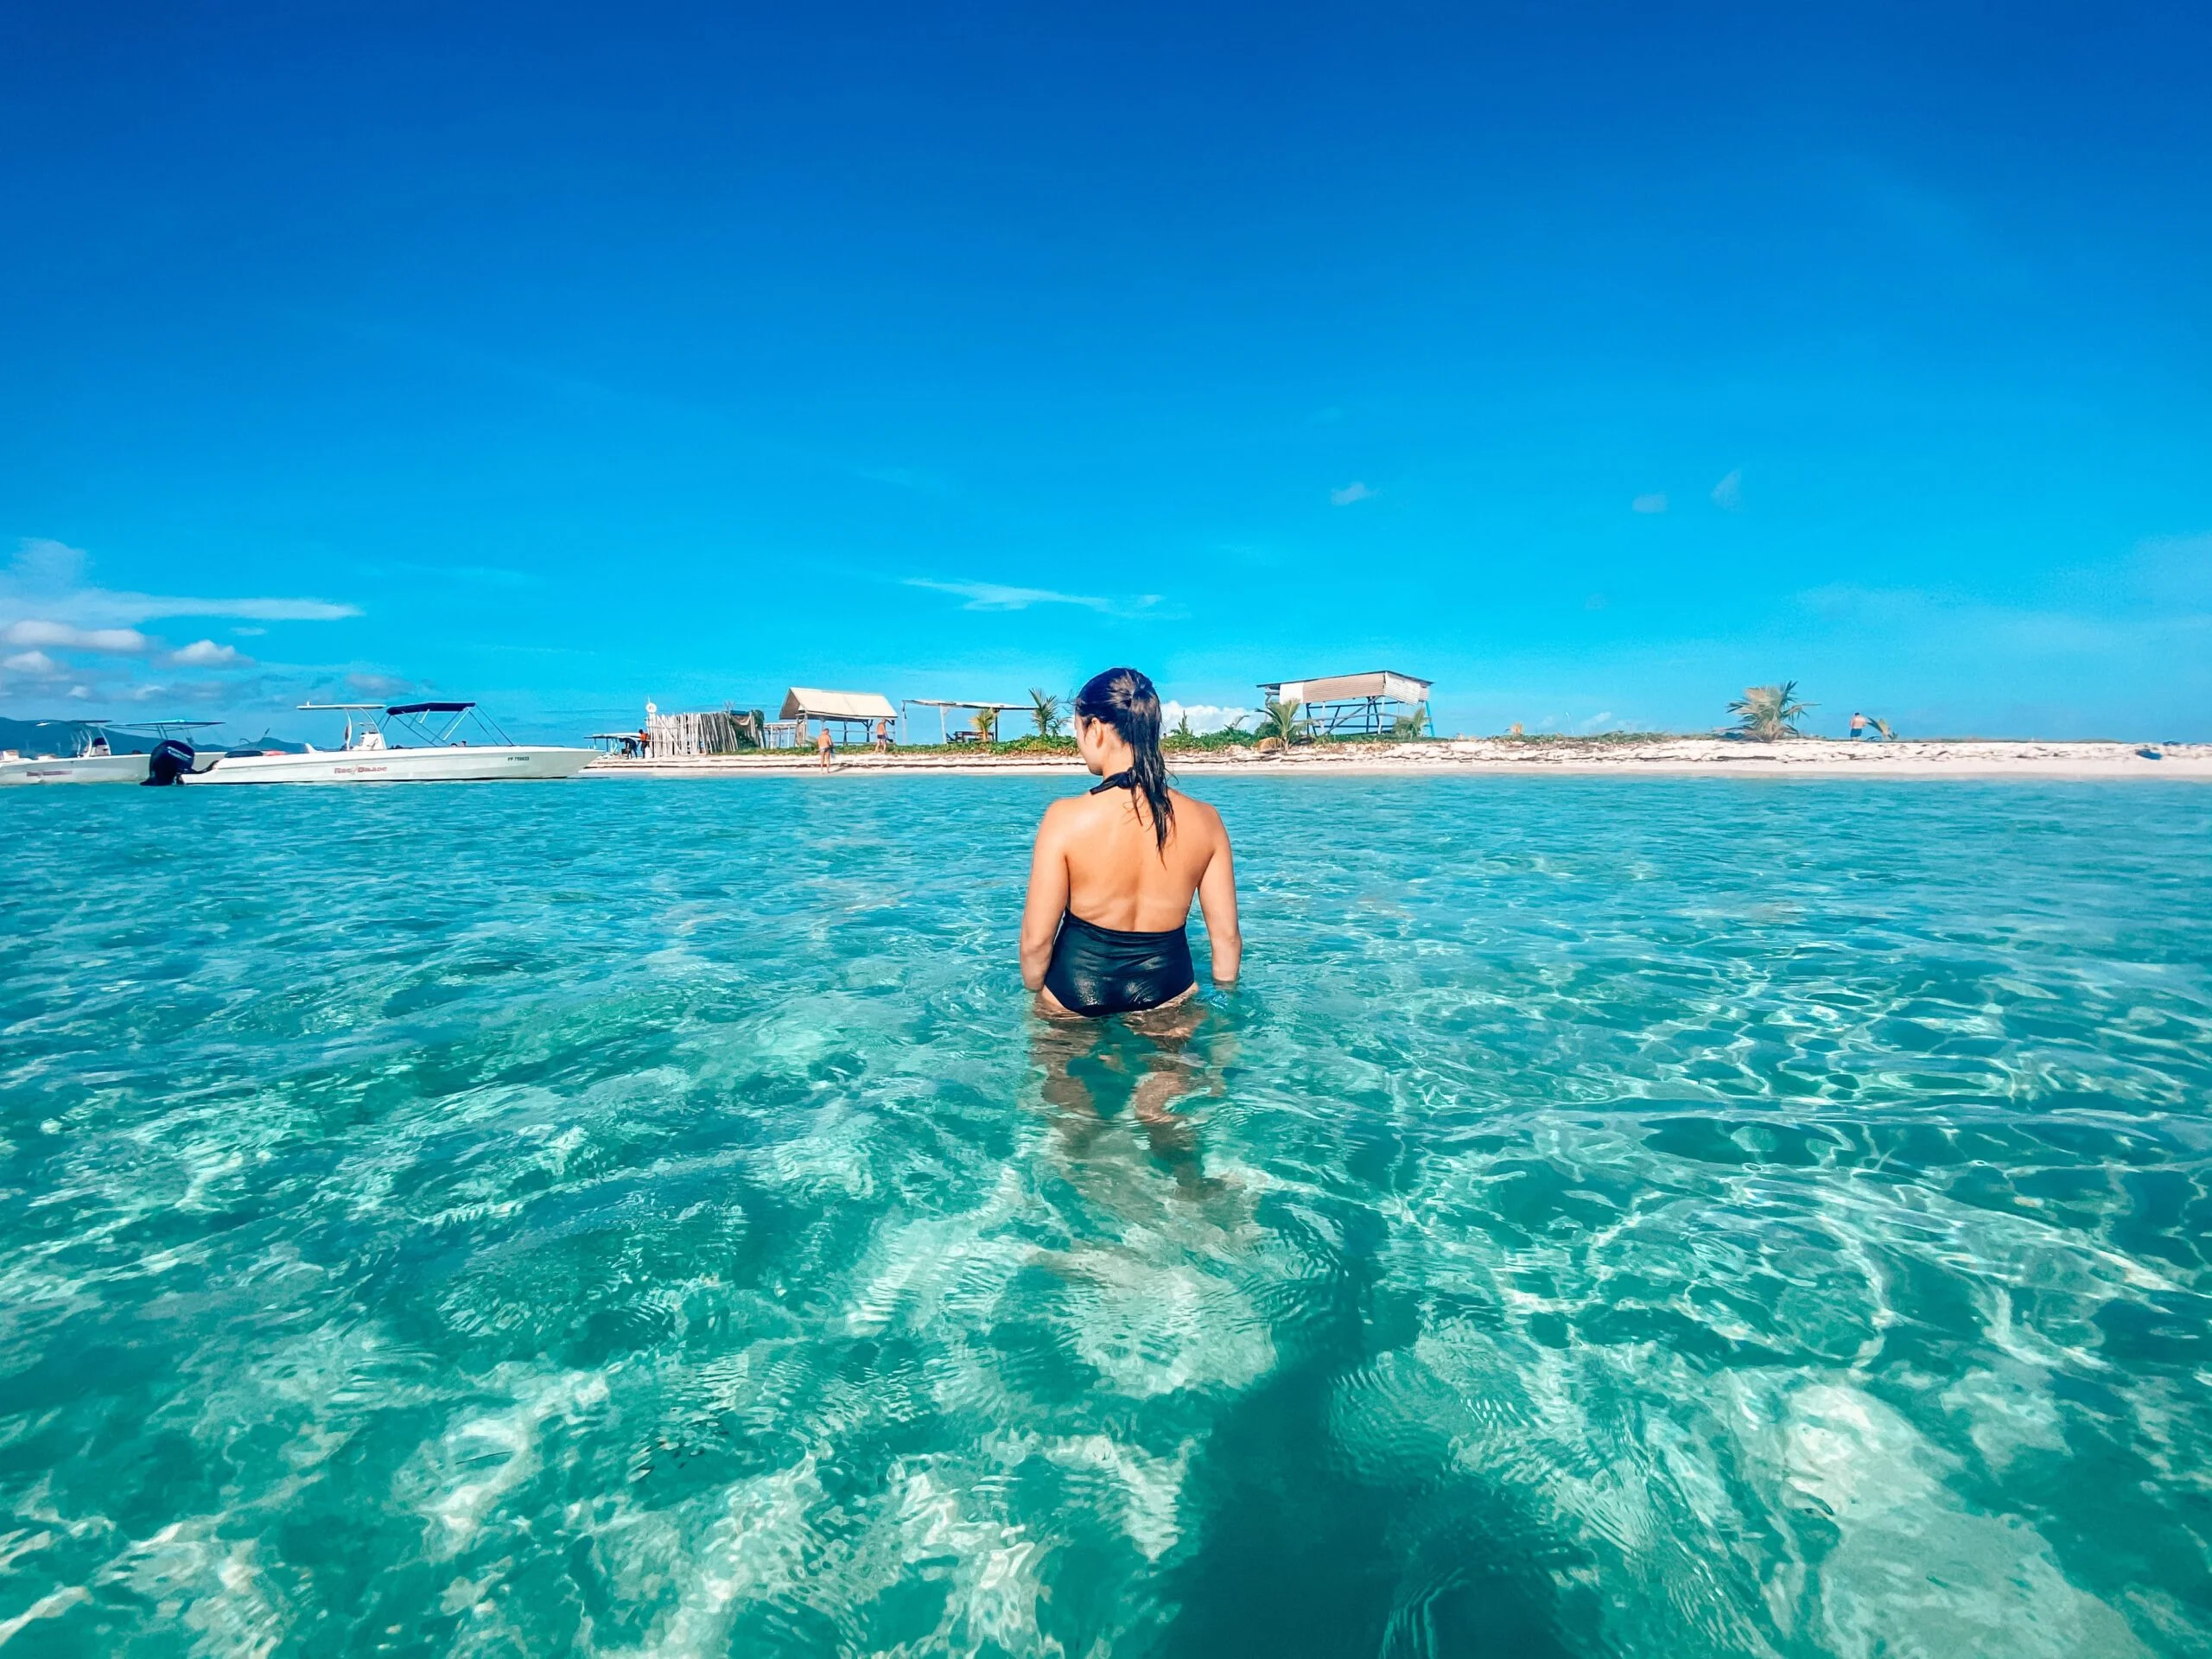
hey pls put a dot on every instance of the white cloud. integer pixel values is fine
(1353, 492)
(996, 596)
(114, 642)
(1728, 494)
(1656, 502)
(206, 653)
(48, 580)
(249, 633)
(82, 693)
(49, 565)
(1204, 716)
(31, 662)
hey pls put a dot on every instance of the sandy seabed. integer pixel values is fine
(1683, 756)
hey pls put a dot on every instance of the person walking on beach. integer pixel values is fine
(1113, 871)
(1858, 727)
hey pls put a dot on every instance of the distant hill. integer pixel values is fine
(59, 737)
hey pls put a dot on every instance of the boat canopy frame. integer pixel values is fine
(159, 730)
(409, 718)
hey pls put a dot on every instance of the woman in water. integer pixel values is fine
(1113, 871)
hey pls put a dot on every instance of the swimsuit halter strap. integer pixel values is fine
(1119, 780)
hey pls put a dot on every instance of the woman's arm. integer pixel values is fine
(1048, 900)
(1218, 901)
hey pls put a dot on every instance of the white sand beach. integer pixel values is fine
(1676, 756)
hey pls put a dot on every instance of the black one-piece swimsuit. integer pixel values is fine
(1100, 970)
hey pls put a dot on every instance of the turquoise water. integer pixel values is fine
(1614, 1216)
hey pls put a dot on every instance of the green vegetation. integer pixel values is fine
(1408, 726)
(1048, 712)
(986, 726)
(1279, 719)
(1769, 712)
(1183, 740)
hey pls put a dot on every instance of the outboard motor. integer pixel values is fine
(170, 761)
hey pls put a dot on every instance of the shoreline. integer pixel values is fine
(1672, 756)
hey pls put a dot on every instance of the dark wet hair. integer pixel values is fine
(1127, 700)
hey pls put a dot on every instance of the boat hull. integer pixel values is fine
(79, 769)
(453, 764)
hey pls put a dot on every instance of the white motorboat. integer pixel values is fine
(95, 759)
(94, 762)
(374, 751)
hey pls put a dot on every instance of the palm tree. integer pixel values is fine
(1047, 712)
(987, 724)
(1280, 719)
(1767, 712)
(1410, 725)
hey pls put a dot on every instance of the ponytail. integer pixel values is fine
(1127, 700)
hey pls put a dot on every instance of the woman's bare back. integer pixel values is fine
(1098, 859)
(1103, 931)
(1119, 875)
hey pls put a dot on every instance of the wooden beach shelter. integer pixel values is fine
(1356, 704)
(943, 703)
(843, 709)
(727, 730)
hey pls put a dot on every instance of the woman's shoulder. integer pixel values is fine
(1200, 812)
(1068, 810)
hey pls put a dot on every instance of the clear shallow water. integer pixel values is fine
(1638, 1217)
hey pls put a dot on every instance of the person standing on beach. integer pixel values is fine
(1857, 725)
(1113, 871)
(824, 746)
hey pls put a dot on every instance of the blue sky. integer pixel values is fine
(1594, 361)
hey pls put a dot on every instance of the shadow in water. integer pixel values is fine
(1299, 1554)
(1303, 1546)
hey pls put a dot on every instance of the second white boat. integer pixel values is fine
(95, 759)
